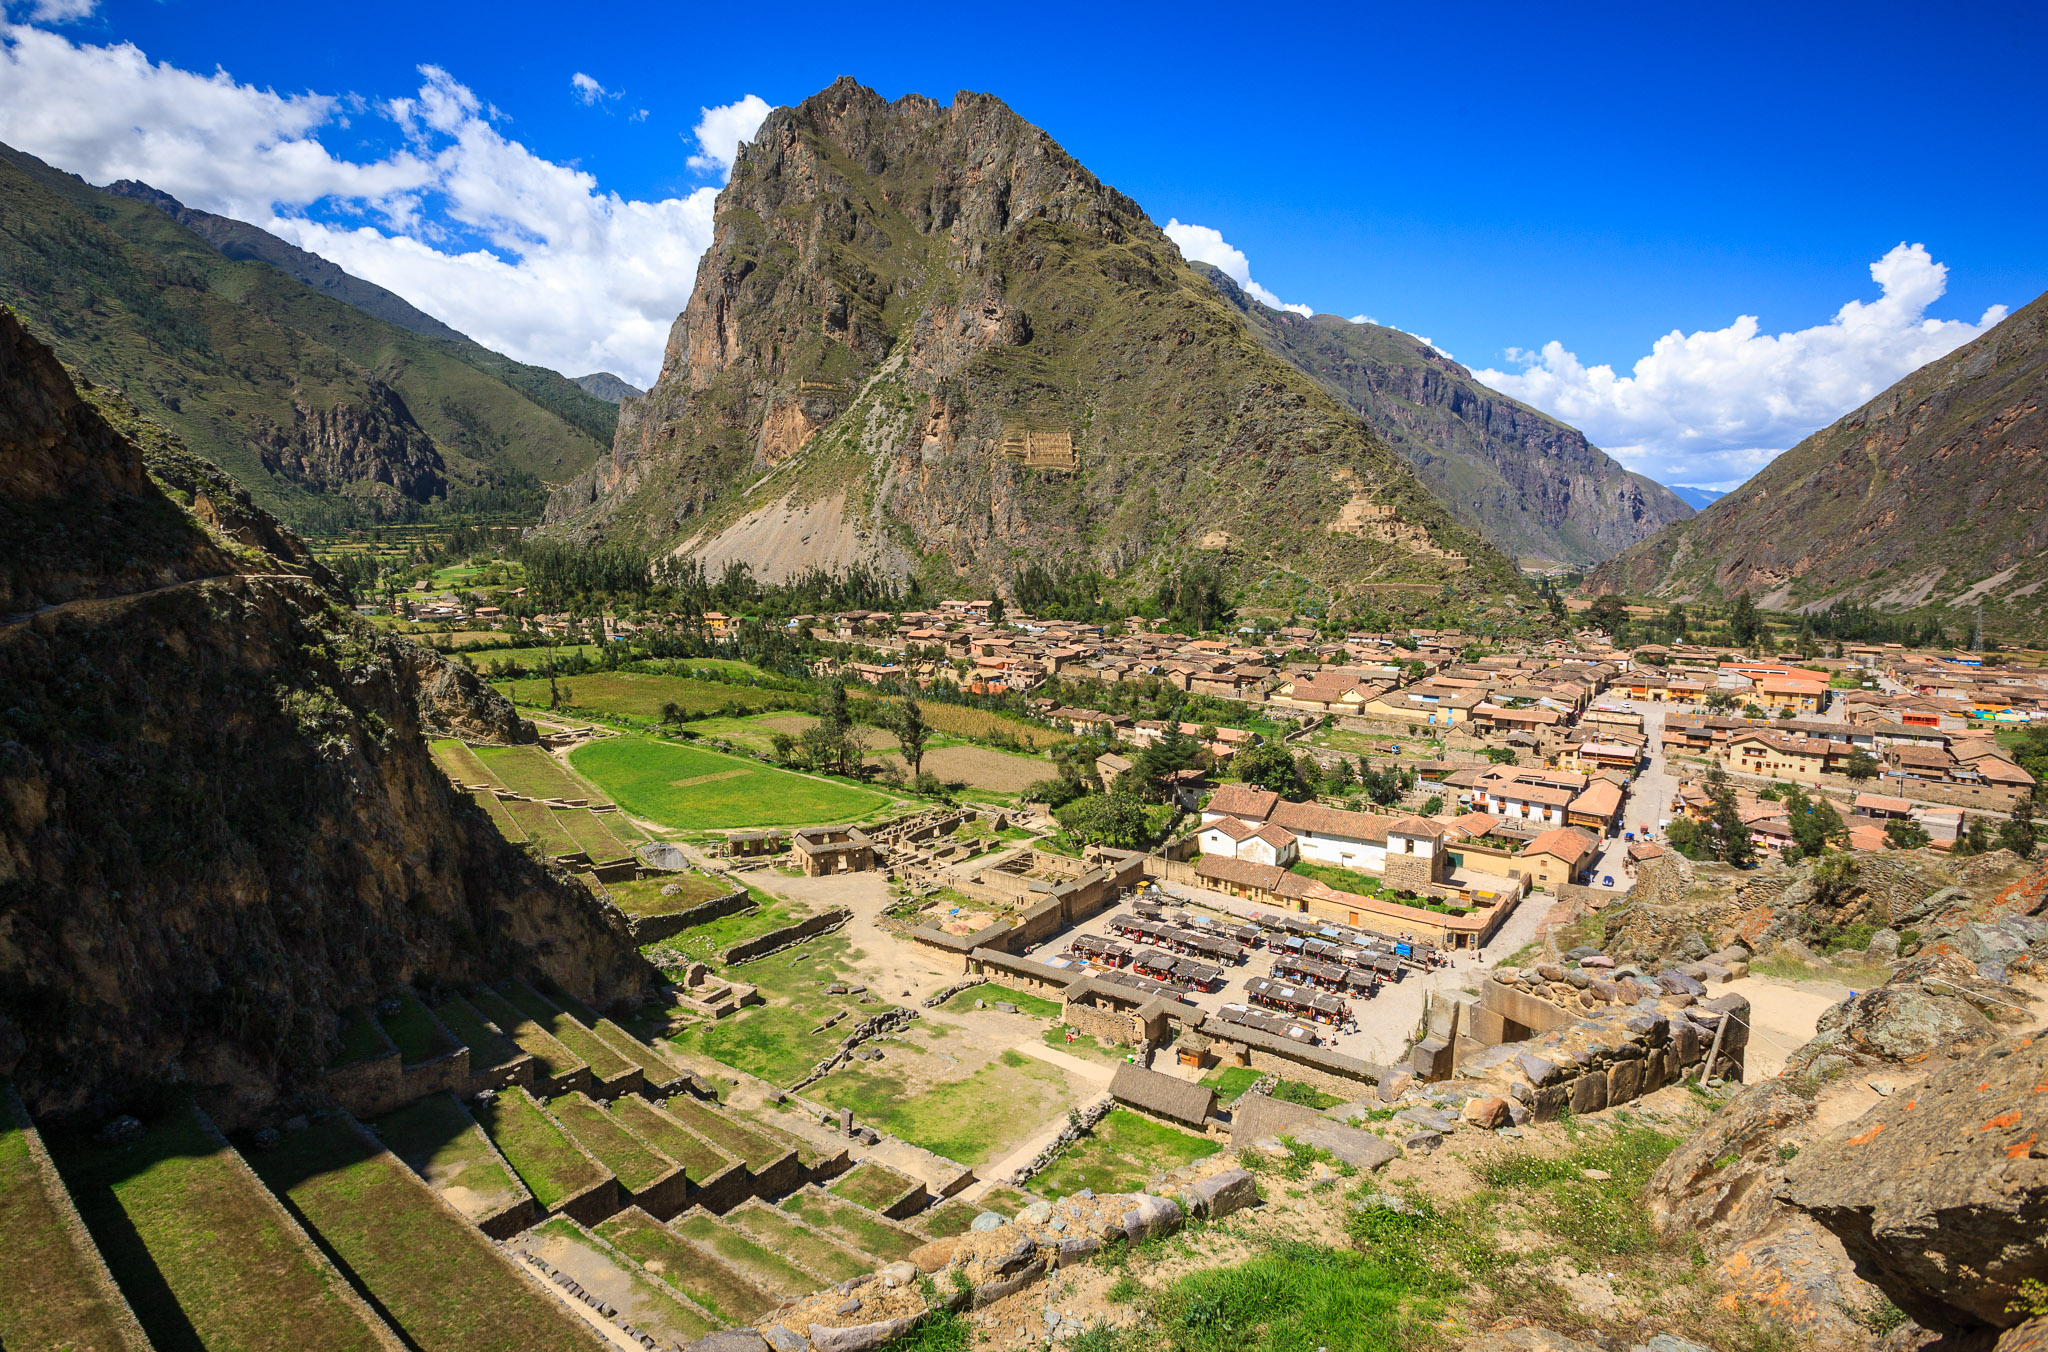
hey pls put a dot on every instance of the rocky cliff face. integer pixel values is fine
(1532, 485)
(1932, 495)
(374, 442)
(927, 339)
(219, 824)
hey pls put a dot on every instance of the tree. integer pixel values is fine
(833, 713)
(1690, 838)
(1901, 834)
(671, 713)
(995, 611)
(1502, 755)
(1753, 711)
(1113, 819)
(911, 734)
(1270, 766)
(1861, 765)
(1608, 614)
(1815, 823)
(1720, 701)
(1559, 616)
(783, 747)
(2016, 833)
(1975, 839)
(1433, 805)
(1745, 625)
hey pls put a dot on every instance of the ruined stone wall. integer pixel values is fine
(648, 929)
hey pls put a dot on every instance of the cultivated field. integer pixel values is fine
(552, 1168)
(48, 1293)
(978, 767)
(628, 694)
(684, 1266)
(691, 789)
(529, 770)
(957, 720)
(440, 1143)
(617, 1149)
(783, 1233)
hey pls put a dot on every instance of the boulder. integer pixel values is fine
(1227, 1192)
(1359, 1149)
(1529, 1338)
(1940, 1192)
(1903, 1022)
(1678, 983)
(1589, 1092)
(2031, 1336)
(736, 1340)
(1150, 1216)
(934, 1256)
(860, 1337)
(1539, 1070)
(780, 1338)
(1884, 946)
(1486, 1113)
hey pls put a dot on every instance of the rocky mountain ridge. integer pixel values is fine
(927, 340)
(277, 366)
(220, 828)
(1532, 485)
(1931, 496)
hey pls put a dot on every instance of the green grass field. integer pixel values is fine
(628, 694)
(1037, 1006)
(604, 1062)
(548, 1054)
(538, 825)
(500, 818)
(755, 1149)
(418, 1035)
(1230, 1082)
(644, 896)
(592, 834)
(48, 1293)
(201, 1251)
(439, 1142)
(691, 789)
(949, 1218)
(774, 1040)
(970, 1120)
(690, 1270)
(552, 1168)
(531, 771)
(439, 1280)
(488, 1049)
(1124, 1152)
(460, 763)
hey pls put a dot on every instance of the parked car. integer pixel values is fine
(1607, 880)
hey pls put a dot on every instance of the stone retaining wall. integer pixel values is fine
(774, 941)
(651, 928)
(1322, 1068)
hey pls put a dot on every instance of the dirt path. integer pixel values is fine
(999, 1171)
(1092, 1071)
(1782, 1017)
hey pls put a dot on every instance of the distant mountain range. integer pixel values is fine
(1532, 485)
(333, 400)
(1932, 497)
(608, 387)
(1699, 499)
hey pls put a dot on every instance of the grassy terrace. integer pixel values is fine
(1004, 1200)
(650, 896)
(863, 1229)
(550, 1055)
(690, 789)
(500, 818)
(949, 1218)
(774, 1041)
(1230, 1082)
(591, 834)
(649, 1058)
(784, 1234)
(49, 1295)
(461, 764)
(203, 1253)
(550, 1165)
(755, 1149)
(361, 1039)
(971, 1120)
(687, 1268)
(641, 695)
(538, 823)
(872, 1185)
(442, 1144)
(604, 1062)
(1125, 1150)
(1037, 1006)
(631, 1160)
(531, 771)
(488, 1048)
(440, 1281)
(646, 1303)
(759, 1264)
(699, 1158)
(418, 1034)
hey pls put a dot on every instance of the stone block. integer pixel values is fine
(1394, 1084)
(1153, 1216)
(1550, 1102)
(1486, 1113)
(1359, 1149)
(1589, 1092)
(1624, 1081)
(1227, 1192)
(1539, 1070)
(735, 1340)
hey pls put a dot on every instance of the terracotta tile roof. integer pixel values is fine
(1314, 818)
(1563, 843)
(1240, 800)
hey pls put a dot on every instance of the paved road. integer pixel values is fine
(1648, 800)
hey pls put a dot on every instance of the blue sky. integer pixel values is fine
(1497, 178)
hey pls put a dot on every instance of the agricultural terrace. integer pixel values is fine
(1121, 1155)
(688, 788)
(666, 893)
(439, 1142)
(439, 1280)
(550, 1165)
(628, 694)
(685, 1267)
(529, 770)
(827, 1257)
(548, 1054)
(49, 1292)
(854, 1224)
(969, 1112)
(166, 1208)
(642, 1300)
(763, 1266)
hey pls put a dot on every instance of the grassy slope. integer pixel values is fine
(550, 1166)
(442, 1144)
(198, 1246)
(219, 350)
(436, 1277)
(784, 1234)
(970, 1120)
(50, 1294)
(884, 1240)
(690, 1270)
(1123, 1152)
(630, 1159)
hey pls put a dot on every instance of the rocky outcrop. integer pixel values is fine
(1532, 485)
(1940, 1193)
(1867, 508)
(898, 292)
(220, 827)
(343, 444)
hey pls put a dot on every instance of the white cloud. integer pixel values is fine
(1362, 319)
(588, 89)
(721, 131)
(62, 11)
(1713, 407)
(1201, 244)
(529, 257)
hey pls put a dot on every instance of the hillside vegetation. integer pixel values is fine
(328, 414)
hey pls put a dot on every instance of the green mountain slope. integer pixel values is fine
(1532, 485)
(1934, 496)
(897, 290)
(327, 413)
